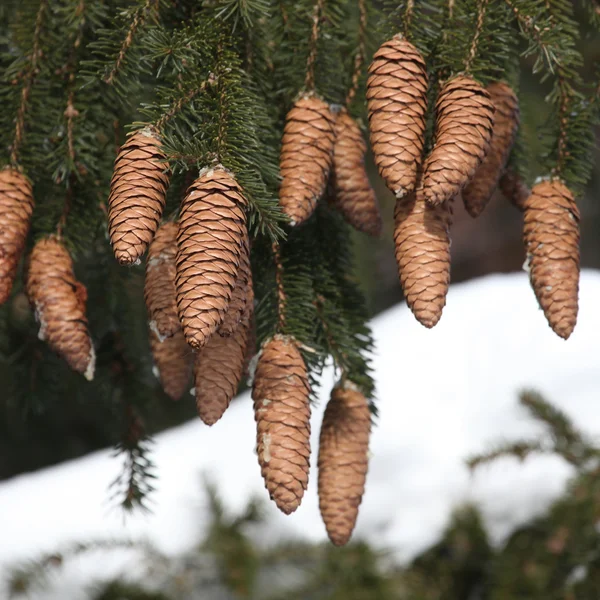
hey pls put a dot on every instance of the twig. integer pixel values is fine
(34, 58)
(360, 53)
(408, 15)
(309, 82)
(138, 19)
(281, 297)
(179, 104)
(478, 28)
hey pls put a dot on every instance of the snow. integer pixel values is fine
(443, 394)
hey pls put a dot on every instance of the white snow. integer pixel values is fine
(443, 394)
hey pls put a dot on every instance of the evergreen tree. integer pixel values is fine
(225, 117)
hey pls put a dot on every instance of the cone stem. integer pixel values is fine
(309, 82)
(482, 5)
(281, 297)
(359, 59)
(407, 18)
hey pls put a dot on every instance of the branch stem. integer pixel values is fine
(482, 5)
(309, 82)
(281, 297)
(359, 58)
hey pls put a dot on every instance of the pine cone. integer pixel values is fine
(422, 242)
(137, 196)
(173, 359)
(159, 287)
(242, 298)
(397, 102)
(210, 243)
(353, 196)
(282, 412)
(463, 129)
(306, 157)
(343, 461)
(16, 207)
(514, 189)
(59, 301)
(218, 370)
(551, 234)
(479, 190)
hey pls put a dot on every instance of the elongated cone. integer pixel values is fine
(354, 197)
(397, 103)
(551, 235)
(422, 241)
(218, 370)
(210, 243)
(343, 460)
(137, 195)
(159, 287)
(514, 189)
(463, 129)
(59, 302)
(282, 412)
(173, 359)
(306, 157)
(16, 207)
(479, 190)
(242, 298)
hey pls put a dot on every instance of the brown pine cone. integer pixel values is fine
(463, 129)
(306, 157)
(218, 370)
(59, 302)
(137, 195)
(343, 460)
(242, 298)
(282, 412)
(551, 235)
(173, 360)
(210, 244)
(514, 189)
(353, 197)
(397, 103)
(479, 190)
(159, 287)
(422, 242)
(16, 207)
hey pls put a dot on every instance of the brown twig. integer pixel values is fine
(478, 29)
(179, 104)
(359, 58)
(309, 82)
(281, 297)
(34, 57)
(138, 19)
(408, 15)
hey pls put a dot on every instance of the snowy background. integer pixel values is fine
(442, 395)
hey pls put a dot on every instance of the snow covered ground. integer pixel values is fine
(442, 395)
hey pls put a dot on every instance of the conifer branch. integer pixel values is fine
(481, 7)
(338, 355)
(138, 20)
(309, 82)
(281, 297)
(32, 71)
(359, 57)
(175, 109)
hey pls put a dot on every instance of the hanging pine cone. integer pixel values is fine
(479, 190)
(463, 129)
(210, 244)
(343, 460)
(137, 195)
(159, 287)
(422, 242)
(59, 302)
(242, 298)
(551, 234)
(16, 207)
(397, 103)
(173, 360)
(282, 412)
(353, 197)
(306, 156)
(514, 189)
(218, 370)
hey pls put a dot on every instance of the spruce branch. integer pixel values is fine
(178, 105)
(481, 6)
(139, 18)
(29, 77)
(309, 82)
